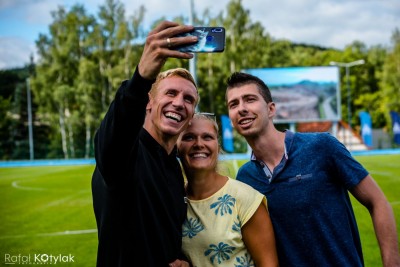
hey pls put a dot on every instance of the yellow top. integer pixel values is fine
(212, 230)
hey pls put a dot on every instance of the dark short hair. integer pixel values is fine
(240, 78)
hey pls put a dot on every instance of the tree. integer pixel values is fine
(13, 114)
(391, 79)
(81, 62)
(85, 58)
(55, 82)
(370, 95)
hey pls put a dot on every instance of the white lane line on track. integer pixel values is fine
(16, 185)
(63, 200)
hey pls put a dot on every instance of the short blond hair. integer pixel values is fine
(180, 72)
(209, 117)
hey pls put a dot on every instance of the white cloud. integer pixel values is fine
(39, 12)
(328, 23)
(15, 52)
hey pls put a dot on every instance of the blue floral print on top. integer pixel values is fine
(212, 230)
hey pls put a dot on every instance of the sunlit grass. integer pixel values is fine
(40, 204)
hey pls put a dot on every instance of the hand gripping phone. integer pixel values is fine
(210, 40)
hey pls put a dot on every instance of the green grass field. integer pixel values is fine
(47, 211)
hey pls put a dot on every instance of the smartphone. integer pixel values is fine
(210, 40)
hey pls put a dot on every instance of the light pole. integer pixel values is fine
(30, 129)
(29, 110)
(192, 62)
(348, 66)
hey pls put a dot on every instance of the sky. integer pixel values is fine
(327, 23)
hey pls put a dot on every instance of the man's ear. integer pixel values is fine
(190, 122)
(271, 109)
(149, 104)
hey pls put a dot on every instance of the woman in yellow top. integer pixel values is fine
(227, 221)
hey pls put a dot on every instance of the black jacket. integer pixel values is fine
(138, 190)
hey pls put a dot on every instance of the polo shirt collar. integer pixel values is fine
(289, 135)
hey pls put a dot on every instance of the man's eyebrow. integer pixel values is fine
(248, 95)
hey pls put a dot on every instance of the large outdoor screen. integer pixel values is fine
(303, 94)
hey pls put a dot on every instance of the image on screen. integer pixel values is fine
(303, 94)
(207, 41)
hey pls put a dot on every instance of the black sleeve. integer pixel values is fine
(120, 127)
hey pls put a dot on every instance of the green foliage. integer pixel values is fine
(391, 79)
(5, 126)
(12, 109)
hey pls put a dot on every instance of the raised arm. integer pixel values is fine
(158, 44)
(125, 117)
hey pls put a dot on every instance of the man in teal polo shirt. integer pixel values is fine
(306, 178)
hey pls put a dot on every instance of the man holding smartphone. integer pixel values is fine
(137, 185)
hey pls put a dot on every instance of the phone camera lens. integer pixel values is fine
(217, 30)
